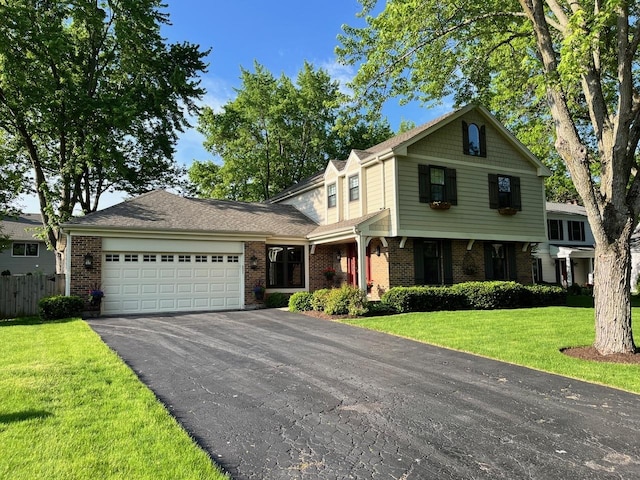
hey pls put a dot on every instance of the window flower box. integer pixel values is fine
(507, 211)
(440, 205)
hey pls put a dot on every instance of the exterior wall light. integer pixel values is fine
(253, 262)
(338, 255)
(88, 261)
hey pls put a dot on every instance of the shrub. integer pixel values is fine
(300, 302)
(544, 295)
(60, 306)
(422, 299)
(346, 300)
(490, 295)
(276, 300)
(319, 299)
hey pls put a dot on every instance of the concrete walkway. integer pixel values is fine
(275, 395)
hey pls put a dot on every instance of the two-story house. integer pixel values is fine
(27, 253)
(454, 200)
(457, 199)
(567, 257)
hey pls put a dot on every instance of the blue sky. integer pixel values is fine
(280, 35)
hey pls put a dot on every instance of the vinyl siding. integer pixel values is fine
(44, 263)
(373, 188)
(311, 203)
(351, 208)
(471, 217)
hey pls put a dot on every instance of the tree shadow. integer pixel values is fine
(10, 322)
(23, 416)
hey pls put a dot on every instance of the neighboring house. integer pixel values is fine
(567, 256)
(457, 199)
(26, 253)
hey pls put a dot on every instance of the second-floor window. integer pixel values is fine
(354, 188)
(331, 195)
(555, 229)
(576, 231)
(504, 191)
(474, 139)
(437, 184)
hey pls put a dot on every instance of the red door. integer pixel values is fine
(352, 265)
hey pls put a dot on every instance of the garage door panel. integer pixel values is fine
(169, 285)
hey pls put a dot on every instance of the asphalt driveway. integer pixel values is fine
(275, 395)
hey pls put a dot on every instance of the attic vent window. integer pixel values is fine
(474, 140)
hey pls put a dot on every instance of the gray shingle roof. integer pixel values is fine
(566, 208)
(22, 227)
(163, 211)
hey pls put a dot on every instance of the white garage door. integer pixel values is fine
(150, 282)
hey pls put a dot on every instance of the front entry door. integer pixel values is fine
(352, 265)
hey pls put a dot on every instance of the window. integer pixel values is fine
(437, 184)
(184, 258)
(285, 266)
(500, 261)
(474, 140)
(331, 195)
(201, 258)
(130, 257)
(217, 258)
(233, 259)
(354, 188)
(112, 257)
(504, 191)
(148, 258)
(433, 262)
(166, 258)
(555, 229)
(25, 250)
(576, 231)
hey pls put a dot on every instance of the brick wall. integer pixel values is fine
(83, 279)
(379, 269)
(324, 256)
(401, 267)
(251, 276)
(523, 265)
(468, 265)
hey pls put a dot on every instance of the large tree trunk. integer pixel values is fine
(612, 282)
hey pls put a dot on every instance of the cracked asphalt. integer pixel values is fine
(275, 395)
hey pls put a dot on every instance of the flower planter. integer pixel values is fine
(507, 211)
(440, 205)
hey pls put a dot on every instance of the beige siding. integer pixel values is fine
(351, 208)
(332, 213)
(472, 217)
(446, 143)
(311, 203)
(374, 196)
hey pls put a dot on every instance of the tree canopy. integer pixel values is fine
(276, 133)
(91, 99)
(555, 72)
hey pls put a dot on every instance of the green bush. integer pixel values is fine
(60, 306)
(276, 300)
(491, 295)
(422, 299)
(319, 299)
(544, 296)
(300, 302)
(346, 300)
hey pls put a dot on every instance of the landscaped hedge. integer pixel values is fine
(472, 295)
(301, 302)
(335, 301)
(60, 306)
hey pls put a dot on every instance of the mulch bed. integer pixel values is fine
(590, 353)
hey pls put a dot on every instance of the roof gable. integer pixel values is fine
(22, 227)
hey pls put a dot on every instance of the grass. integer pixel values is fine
(528, 337)
(71, 409)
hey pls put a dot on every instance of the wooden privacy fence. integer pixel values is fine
(19, 295)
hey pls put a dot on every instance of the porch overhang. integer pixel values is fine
(568, 251)
(375, 224)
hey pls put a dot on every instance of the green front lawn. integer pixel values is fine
(70, 408)
(530, 337)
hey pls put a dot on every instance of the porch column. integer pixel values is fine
(361, 247)
(569, 269)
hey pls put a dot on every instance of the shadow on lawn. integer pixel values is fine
(23, 416)
(10, 322)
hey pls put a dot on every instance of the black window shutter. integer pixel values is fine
(418, 260)
(483, 141)
(516, 201)
(465, 138)
(447, 262)
(424, 183)
(493, 191)
(511, 261)
(451, 186)
(488, 261)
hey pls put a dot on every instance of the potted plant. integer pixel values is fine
(329, 273)
(95, 297)
(258, 291)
